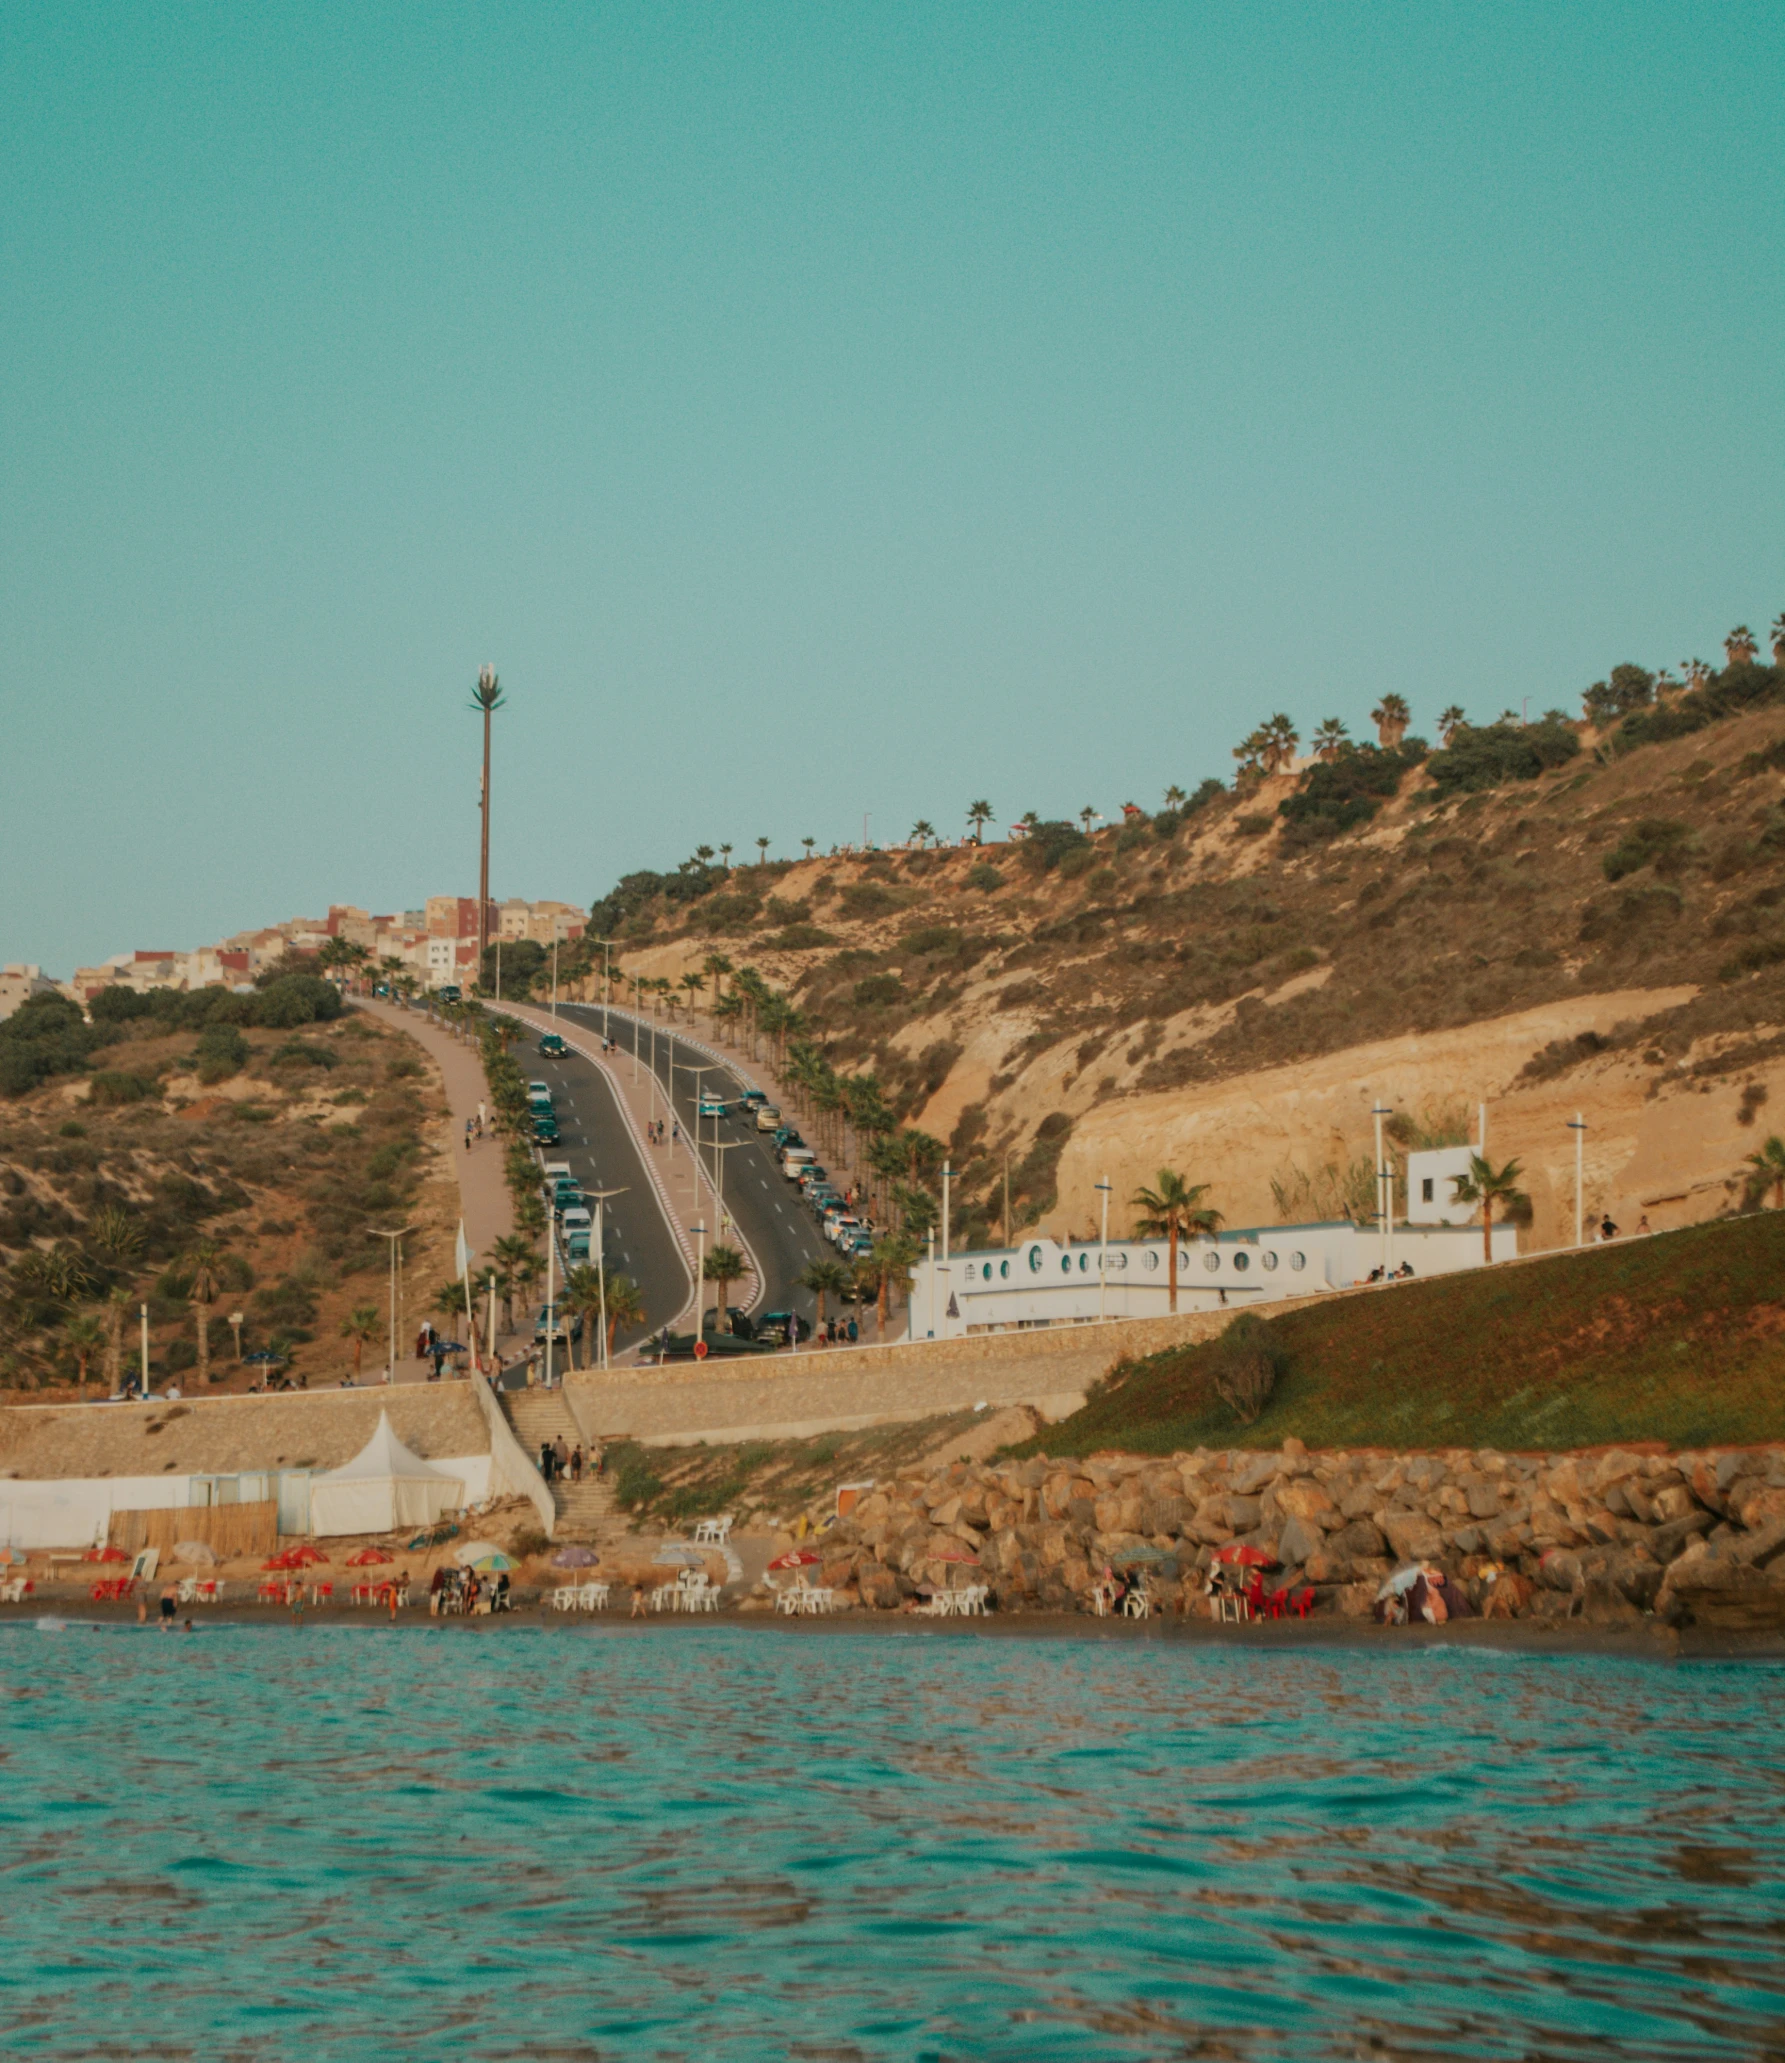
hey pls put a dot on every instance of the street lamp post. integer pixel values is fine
(551, 1315)
(1103, 1189)
(930, 1261)
(554, 979)
(1578, 1126)
(947, 1178)
(1384, 1190)
(143, 1386)
(396, 1250)
(601, 1196)
(700, 1280)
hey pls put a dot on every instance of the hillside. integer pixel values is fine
(1678, 1339)
(278, 1147)
(1228, 987)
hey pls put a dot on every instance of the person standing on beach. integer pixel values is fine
(170, 1596)
(561, 1457)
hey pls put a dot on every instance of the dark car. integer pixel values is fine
(553, 1044)
(450, 993)
(785, 1135)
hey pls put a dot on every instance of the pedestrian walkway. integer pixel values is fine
(586, 1510)
(484, 1201)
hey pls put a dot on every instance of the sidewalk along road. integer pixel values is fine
(770, 1213)
(595, 1139)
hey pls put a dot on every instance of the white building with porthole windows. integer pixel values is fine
(1043, 1282)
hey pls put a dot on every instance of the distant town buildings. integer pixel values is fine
(436, 944)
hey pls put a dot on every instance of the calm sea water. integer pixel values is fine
(711, 1842)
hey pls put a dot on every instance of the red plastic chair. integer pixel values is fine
(1303, 1601)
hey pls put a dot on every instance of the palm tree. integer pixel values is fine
(486, 699)
(724, 1265)
(808, 843)
(361, 1327)
(703, 853)
(695, 984)
(1169, 1210)
(922, 831)
(1175, 798)
(725, 855)
(1769, 1170)
(1329, 739)
(1087, 816)
(1280, 740)
(1777, 635)
(979, 814)
(624, 1307)
(893, 1259)
(762, 852)
(582, 1297)
(1391, 716)
(1250, 753)
(510, 1253)
(1696, 673)
(1739, 646)
(825, 1278)
(85, 1333)
(1450, 721)
(1488, 1185)
(205, 1265)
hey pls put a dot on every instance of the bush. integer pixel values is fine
(877, 990)
(221, 1052)
(43, 1037)
(728, 913)
(779, 910)
(1501, 752)
(1655, 841)
(1247, 1360)
(295, 999)
(1078, 862)
(1049, 843)
(113, 1087)
(983, 875)
(1103, 880)
(1255, 824)
(798, 938)
(1735, 689)
(1131, 837)
(867, 899)
(1338, 794)
(932, 938)
(527, 1542)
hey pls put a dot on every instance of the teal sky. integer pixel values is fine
(828, 410)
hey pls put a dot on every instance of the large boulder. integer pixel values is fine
(1360, 1537)
(1304, 1498)
(1716, 1591)
(1411, 1534)
(1299, 1541)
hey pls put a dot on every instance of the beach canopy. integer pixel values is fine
(107, 1553)
(367, 1558)
(795, 1558)
(198, 1552)
(1241, 1554)
(678, 1554)
(383, 1487)
(1402, 1579)
(575, 1558)
(9, 1556)
(489, 1561)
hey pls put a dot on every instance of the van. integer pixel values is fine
(579, 1226)
(796, 1158)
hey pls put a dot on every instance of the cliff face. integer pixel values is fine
(1226, 996)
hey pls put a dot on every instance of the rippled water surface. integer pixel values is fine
(724, 1842)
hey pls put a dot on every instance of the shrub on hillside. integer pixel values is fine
(723, 914)
(1049, 843)
(877, 991)
(798, 938)
(931, 938)
(43, 1037)
(867, 899)
(983, 875)
(1244, 1367)
(1735, 689)
(1660, 842)
(113, 1087)
(1338, 794)
(1501, 752)
(221, 1052)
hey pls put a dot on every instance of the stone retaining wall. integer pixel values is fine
(1614, 1536)
(839, 1389)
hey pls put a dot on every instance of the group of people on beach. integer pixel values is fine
(454, 1593)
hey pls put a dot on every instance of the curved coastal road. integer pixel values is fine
(768, 1208)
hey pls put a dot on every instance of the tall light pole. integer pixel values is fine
(700, 1280)
(143, 1385)
(396, 1247)
(1384, 1185)
(947, 1178)
(1103, 1189)
(554, 978)
(486, 698)
(1578, 1126)
(601, 1196)
(551, 1296)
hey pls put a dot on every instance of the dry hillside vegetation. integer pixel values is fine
(114, 1181)
(1614, 928)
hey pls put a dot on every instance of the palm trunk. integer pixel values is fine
(114, 1349)
(613, 1326)
(202, 1312)
(1487, 1230)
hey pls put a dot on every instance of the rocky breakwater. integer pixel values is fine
(1608, 1536)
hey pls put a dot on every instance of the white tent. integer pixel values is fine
(383, 1487)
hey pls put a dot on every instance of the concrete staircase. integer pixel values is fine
(586, 1510)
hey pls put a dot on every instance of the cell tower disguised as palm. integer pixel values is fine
(487, 697)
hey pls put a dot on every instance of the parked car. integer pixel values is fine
(768, 1117)
(553, 1044)
(539, 1092)
(579, 1227)
(860, 1243)
(776, 1327)
(545, 1129)
(785, 1136)
(795, 1158)
(753, 1099)
(567, 1325)
(712, 1104)
(450, 993)
(813, 1177)
(843, 1231)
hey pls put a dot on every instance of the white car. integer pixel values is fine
(843, 1231)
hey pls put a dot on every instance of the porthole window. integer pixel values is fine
(1065, 1264)
(1004, 1268)
(1084, 1262)
(1035, 1259)
(1150, 1259)
(1298, 1262)
(1212, 1262)
(1269, 1259)
(1241, 1262)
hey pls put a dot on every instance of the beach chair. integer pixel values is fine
(1137, 1605)
(713, 1532)
(566, 1598)
(210, 1590)
(592, 1597)
(971, 1604)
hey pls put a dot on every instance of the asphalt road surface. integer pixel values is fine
(770, 1213)
(594, 1139)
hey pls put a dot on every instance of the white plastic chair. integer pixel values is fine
(713, 1532)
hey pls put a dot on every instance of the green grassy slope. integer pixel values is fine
(1679, 1338)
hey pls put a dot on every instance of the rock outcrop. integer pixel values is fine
(1609, 1536)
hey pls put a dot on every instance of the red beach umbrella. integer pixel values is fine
(367, 1558)
(107, 1553)
(1241, 1554)
(795, 1558)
